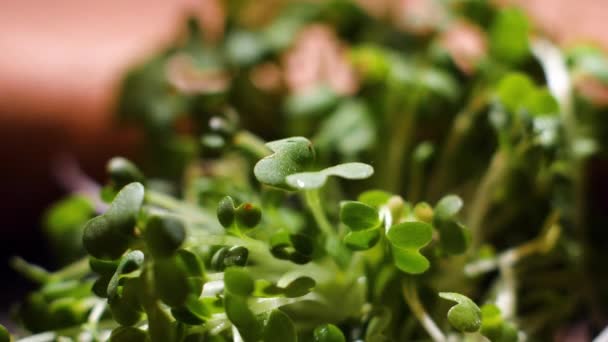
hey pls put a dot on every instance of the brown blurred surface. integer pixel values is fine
(60, 63)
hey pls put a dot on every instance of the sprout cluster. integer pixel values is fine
(399, 192)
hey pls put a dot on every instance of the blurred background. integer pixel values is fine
(61, 64)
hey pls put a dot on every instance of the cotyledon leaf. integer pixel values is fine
(315, 180)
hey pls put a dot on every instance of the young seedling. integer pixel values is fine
(464, 316)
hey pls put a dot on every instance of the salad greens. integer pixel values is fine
(358, 207)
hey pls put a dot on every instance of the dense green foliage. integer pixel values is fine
(422, 192)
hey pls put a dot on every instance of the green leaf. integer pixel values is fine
(424, 212)
(279, 328)
(590, 60)
(299, 287)
(362, 240)
(410, 235)
(291, 155)
(447, 208)
(410, 261)
(491, 322)
(296, 248)
(517, 92)
(349, 130)
(244, 48)
(248, 215)
(227, 257)
(238, 281)
(225, 211)
(63, 224)
(350, 171)
(541, 102)
(104, 267)
(241, 316)
(371, 62)
(125, 305)
(123, 313)
(423, 152)
(123, 211)
(171, 281)
(315, 180)
(328, 333)
(509, 41)
(194, 312)
(513, 90)
(194, 269)
(122, 172)
(358, 216)
(453, 236)
(494, 327)
(378, 324)
(407, 238)
(236, 256)
(192, 263)
(164, 235)
(103, 242)
(374, 198)
(129, 263)
(4, 334)
(311, 102)
(439, 82)
(509, 333)
(464, 316)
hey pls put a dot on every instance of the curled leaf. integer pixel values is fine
(464, 316)
(291, 155)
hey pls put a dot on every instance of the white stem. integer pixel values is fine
(556, 72)
(602, 337)
(48, 336)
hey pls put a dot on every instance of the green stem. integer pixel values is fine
(314, 204)
(416, 182)
(32, 272)
(401, 138)
(251, 143)
(482, 199)
(192, 212)
(560, 83)
(75, 270)
(410, 294)
(462, 124)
